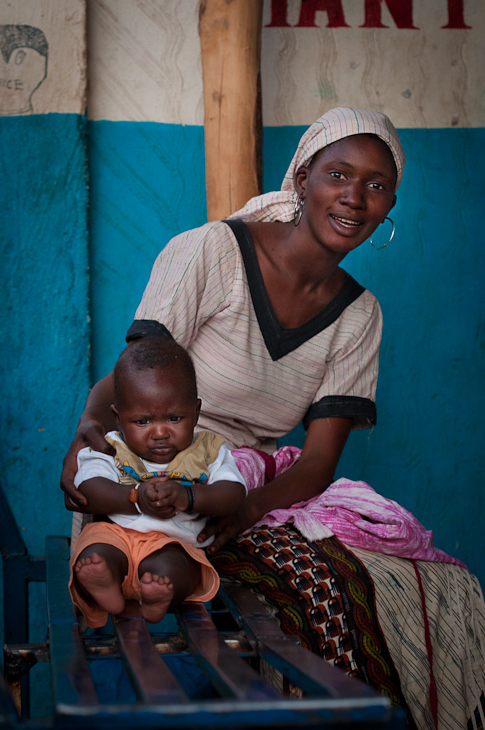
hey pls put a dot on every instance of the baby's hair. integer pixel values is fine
(149, 353)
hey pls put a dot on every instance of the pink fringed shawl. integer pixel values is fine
(352, 511)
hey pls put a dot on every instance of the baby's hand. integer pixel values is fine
(162, 497)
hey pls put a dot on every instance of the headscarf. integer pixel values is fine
(333, 125)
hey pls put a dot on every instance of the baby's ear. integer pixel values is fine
(197, 409)
(115, 413)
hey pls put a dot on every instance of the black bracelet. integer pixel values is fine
(191, 496)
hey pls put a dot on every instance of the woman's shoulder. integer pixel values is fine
(215, 234)
(368, 301)
(363, 311)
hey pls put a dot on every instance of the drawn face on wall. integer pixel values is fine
(23, 67)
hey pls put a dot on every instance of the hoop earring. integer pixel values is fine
(298, 210)
(378, 248)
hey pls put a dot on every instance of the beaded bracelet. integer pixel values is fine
(133, 497)
(191, 496)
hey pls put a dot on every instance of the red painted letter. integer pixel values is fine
(401, 11)
(333, 8)
(279, 10)
(455, 15)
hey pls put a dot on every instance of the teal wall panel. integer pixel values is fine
(147, 184)
(44, 327)
(426, 451)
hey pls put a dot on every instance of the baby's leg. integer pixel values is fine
(167, 577)
(100, 570)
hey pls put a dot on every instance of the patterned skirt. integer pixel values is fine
(323, 594)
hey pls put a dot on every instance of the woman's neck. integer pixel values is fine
(300, 277)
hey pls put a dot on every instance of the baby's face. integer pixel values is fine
(155, 414)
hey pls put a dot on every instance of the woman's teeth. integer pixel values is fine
(346, 222)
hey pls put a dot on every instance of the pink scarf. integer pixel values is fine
(352, 511)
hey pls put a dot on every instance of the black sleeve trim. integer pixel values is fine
(147, 328)
(362, 410)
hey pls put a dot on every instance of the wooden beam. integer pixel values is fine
(230, 41)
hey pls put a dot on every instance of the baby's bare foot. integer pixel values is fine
(156, 596)
(96, 578)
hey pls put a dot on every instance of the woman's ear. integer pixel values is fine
(394, 199)
(301, 181)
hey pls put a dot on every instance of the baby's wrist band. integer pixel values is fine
(133, 497)
(191, 496)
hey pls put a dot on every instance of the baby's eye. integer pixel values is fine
(174, 419)
(142, 422)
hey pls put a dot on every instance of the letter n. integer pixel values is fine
(455, 15)
(401, 11)
(333, 8)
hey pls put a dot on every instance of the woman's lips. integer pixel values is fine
(346, 224)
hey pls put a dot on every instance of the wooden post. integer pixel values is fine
(230, 41)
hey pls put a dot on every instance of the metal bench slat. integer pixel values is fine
(150, 676)
(307, 670)
(8, 713)
(231, 676)
(71, 677)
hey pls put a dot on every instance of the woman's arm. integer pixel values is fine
(94, 423)
(309, 476)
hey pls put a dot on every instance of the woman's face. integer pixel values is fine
(348, 190)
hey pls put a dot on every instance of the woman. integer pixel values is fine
(279, 333)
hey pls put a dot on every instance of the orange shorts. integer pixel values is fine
(136, 546)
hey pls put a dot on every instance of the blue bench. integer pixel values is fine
(229, 642)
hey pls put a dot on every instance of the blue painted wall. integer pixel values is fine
(426, 451)
(147, 183)
(44, 328)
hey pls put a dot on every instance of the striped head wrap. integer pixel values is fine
(335, 124)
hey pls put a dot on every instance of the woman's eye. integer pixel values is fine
(376, 186)
(337, 175)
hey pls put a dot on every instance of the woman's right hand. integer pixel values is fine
(94, 423)
(229, 526)
(89, 433)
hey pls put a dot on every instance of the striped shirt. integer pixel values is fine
(258, 380)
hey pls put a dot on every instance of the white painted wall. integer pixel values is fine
(144, 61)
(144, 64)
(428, 77)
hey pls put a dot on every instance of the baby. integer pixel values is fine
(153, 490)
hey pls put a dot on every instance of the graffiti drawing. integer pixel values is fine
(23, 67)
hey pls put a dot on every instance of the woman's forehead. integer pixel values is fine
(369, 147)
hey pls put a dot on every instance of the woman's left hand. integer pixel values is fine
(229, 526)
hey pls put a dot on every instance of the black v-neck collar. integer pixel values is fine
(281, 340)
